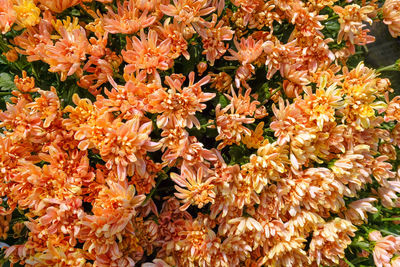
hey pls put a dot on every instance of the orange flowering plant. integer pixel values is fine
(198, 133)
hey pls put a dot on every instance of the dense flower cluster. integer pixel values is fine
(197, 133)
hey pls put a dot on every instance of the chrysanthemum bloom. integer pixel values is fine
(68, 53)
(27, 13)
(391, 16)
(32, 40)
(147, 53)
(249, 230)
(128, 20)
(100, 71)
(323, 104)
(384, 248)
(303, 223)
(11, 55)
(25, 84)
(124, 145)
(179, 105)
(188, 11)
(174, 32)
(201, 67)
(194, 154)
(197, 244)
(269, 164)
(9, 167)
(248, 50)
(108, 234)
(221, 82)
(357, 210)
(26, 125)
(296, 79)
(256, 138)
(59, 6)
(351, 19)
(265, 15)
(392, 112)
(198, 187)
(48, 106)
(247, 6)
(307, 23)
(81, 120)
(213, 34)
(316, 54)
(5, 226)
(314, 189)
(361, 92)
(388, 194)
(7, 15)
(231, 118)
(279, 54)
(330, 240)
(285, 123)
(286, 252)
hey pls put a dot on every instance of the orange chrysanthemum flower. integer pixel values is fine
(128, 20)
(147, 53)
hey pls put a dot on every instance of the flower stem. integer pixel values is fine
(227, 68)
(207, 124)
(348, 262)
(269, 97)
(332, 18)
(390, 219)
(388, 232)
(163, 175)
(392, 67)
(5, 93)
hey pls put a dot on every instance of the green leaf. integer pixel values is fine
(7, 82)
(223, 101)
(332, 25)
(239, 154)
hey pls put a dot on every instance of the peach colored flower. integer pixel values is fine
(391, 17)
(187, 11)
(248, 50)
(178, 105)
(278, 54)
(213, 34)
(221, 81)
(384, 248)
(128, 20)
(308, 23)
(125, 144)
(199, 187)
(59, 6)
(230, 120)
(388, 194)
(33, 39)
(269, 164)
(7, 15)
(357, 210)
(175, 33)
(351, 19)
(256, 138)
(329, 241)
(68, 53)
(392, 111)
(11, 55)
(147, 53)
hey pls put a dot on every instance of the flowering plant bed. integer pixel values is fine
(198, 133)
